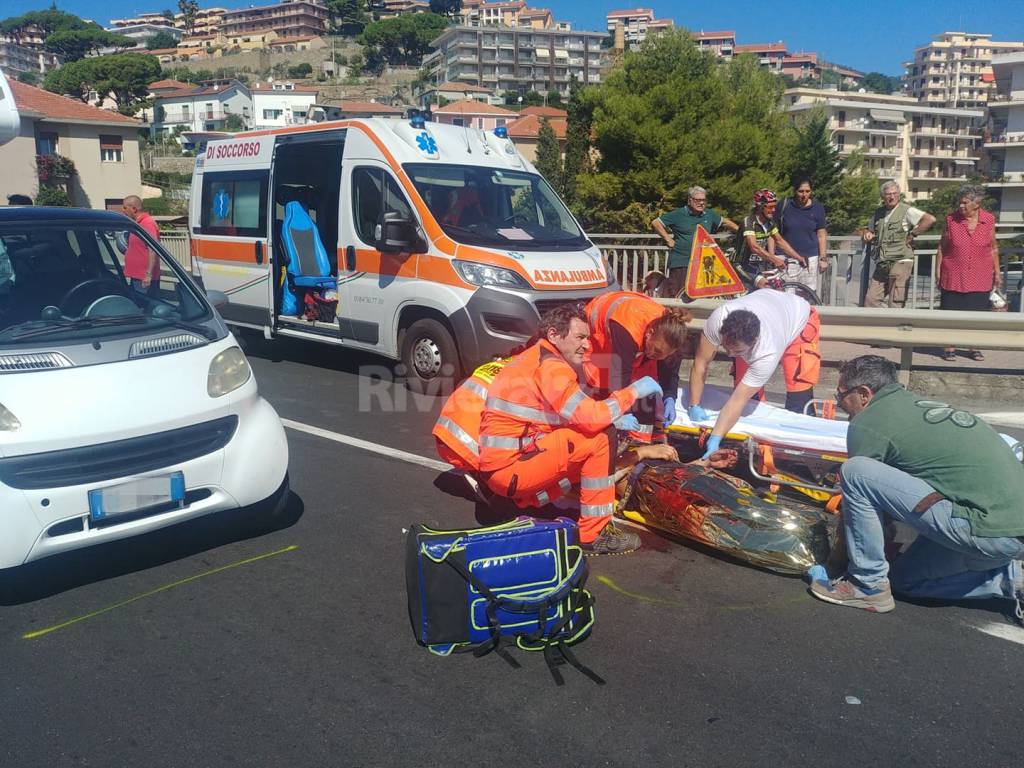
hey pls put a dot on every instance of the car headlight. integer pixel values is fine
(228, 371)
(483, 274)
(8, 421)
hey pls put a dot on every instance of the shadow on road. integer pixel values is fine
(59, 573)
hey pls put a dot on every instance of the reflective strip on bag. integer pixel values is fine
(597, 483)
(460, 434)
(565, 484)
(492, 441)
(597, 510)
(543, 498)
(535, 415)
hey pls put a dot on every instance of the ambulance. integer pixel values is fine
(440, 244)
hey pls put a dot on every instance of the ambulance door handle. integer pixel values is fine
(350, 258)
(259, 251)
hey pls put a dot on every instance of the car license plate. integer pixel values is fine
(134, 495)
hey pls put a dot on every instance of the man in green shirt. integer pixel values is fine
(677, 229)
(940, 470)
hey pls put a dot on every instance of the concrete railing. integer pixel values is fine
(177, 243)
(905, 329)
(631, 256)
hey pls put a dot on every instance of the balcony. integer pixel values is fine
(937, 176)
(1012, 179)
(1004, 140)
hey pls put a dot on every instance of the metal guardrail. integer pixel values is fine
(906, 329)
(631, 256)
(177, 243)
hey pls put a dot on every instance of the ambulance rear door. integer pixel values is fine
(229, 230)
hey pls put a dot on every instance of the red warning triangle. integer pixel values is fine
(710, 273)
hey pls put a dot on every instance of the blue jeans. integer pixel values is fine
(945, 561)
(153, 290)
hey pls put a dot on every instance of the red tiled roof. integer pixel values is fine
(363, 106)
(631, 12)
(168, 85)
(471, 107)
(161, 51)
(554, 112)
(528, 127)
(269, 88)
(709, 35)
(528, 12)
(286, 40)
(49, 105)
(762, 47)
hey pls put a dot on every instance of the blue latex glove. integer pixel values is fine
(696, 413)
(646, 387)
(714, 443)
(816, 573)
(627, 423)
(669, 411)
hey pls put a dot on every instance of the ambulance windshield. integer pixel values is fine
(496, 208)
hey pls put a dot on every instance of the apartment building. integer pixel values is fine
(769, 55)
(721, 43)
(206, 22)
(474, 114)
(920, 147)
(275, 105)
(636, 24)
(289, 18)
(955, 69)
(202, 108)
(801, 66)
(1005, 138)
(536, 18)
(476, 13)
(515, 59)
(141, 32)
(16, 58)
(103, 145)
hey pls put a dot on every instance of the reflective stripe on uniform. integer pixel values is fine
(596, 510)
(476, 388)
(542, 497)
(645, 429)
(597, 483)
(523, 411)
(571, 405)
(614, 409)
(608, 312)
(508, 443)
(565, 484)
(460, 434)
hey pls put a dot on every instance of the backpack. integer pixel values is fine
(520, 583)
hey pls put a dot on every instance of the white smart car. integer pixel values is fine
(123, 409)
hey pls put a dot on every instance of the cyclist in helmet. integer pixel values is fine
(761, 239)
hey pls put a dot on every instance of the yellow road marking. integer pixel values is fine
(643, 598)
(130, 600)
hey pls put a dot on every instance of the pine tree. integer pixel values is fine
(549, 155)
(815, 158)
(577, 141)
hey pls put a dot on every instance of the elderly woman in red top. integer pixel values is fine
(967, 263)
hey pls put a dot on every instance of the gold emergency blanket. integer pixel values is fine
(726, 513)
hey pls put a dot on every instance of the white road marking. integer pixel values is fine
(1003, 418)
(366, 445)
(1003, 632)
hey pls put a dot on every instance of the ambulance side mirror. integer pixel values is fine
(396, 234)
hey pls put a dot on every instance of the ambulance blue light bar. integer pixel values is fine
(501, 132)
(418, 121)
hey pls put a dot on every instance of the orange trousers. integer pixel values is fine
(556, 462)
(801, 362)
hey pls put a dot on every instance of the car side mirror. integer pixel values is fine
(217, 298)
(396, 234)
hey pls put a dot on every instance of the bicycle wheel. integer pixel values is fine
(802, 291)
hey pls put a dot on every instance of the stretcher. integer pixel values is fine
(770, 434)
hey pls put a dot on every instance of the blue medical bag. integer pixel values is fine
(519, 583)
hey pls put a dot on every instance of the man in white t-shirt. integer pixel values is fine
(759, 330)
(890, 234)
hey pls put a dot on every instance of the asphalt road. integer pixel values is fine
(223, 643)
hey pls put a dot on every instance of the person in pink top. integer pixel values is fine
(967, 262)
(141, 264)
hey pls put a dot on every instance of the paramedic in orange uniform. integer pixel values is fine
(633, 336)
(540, 434)
(759, 330)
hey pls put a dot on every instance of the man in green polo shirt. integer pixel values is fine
(942, 471)
(677, 229)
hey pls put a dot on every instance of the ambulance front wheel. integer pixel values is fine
(430, 358)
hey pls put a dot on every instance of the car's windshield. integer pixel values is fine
(77, 281)
(496, 208)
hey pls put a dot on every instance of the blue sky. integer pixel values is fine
(864, 34)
